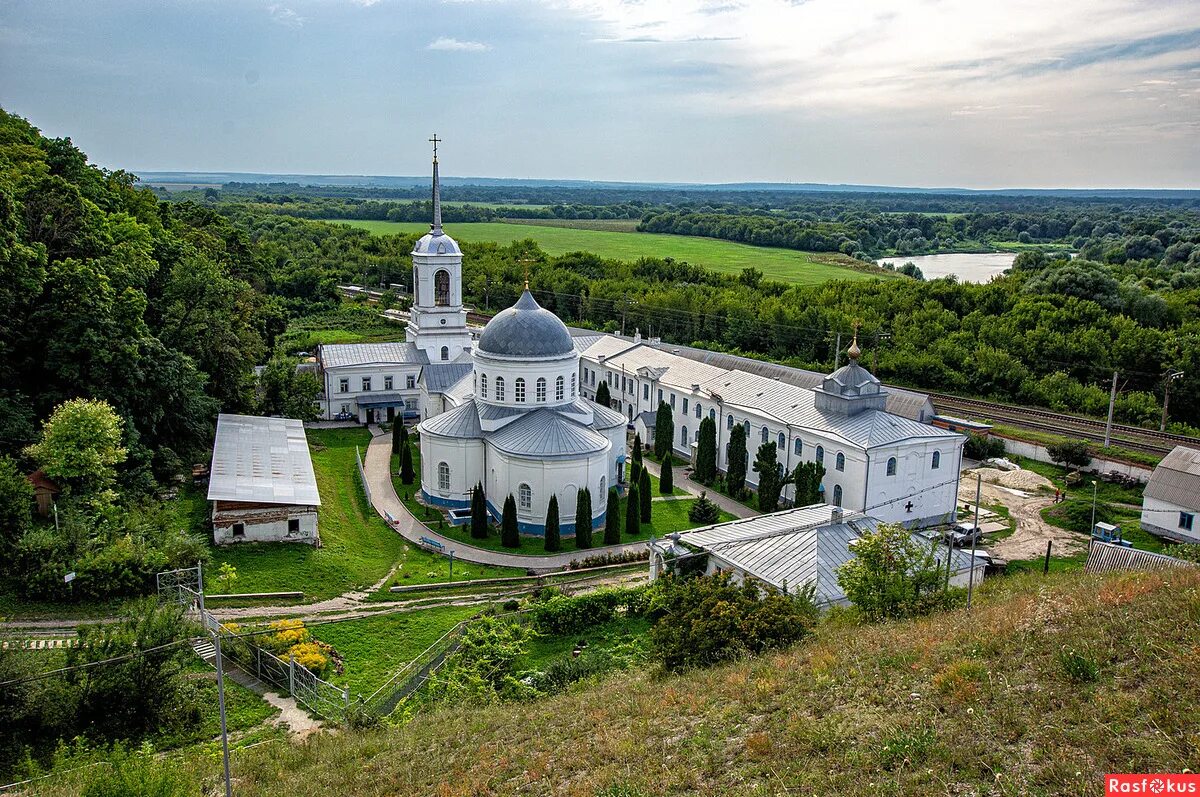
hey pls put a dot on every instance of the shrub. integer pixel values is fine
(553, 540)
(666, 479)
(136, 774)
(981, 446)
(612, 520)
(664, 430)
(647, 505)
(704, 510)
(479, 518)
(407, 475)
(510, 535)
(562, 614)
(708, 619)
(1189, 552)
(735, 475)
(891, 574)
(633, 512)
(583, 519)
(600, 560)
(706, 452)
(1070, 453)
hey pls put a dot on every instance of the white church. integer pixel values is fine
(510, 407)
(524, 430)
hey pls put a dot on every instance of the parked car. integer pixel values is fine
(963, 534)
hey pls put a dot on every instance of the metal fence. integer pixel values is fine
(362, 476)
(287, 675)
(1104, 557)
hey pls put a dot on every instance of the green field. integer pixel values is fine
(785, 265)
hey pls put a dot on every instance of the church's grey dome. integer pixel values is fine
(440, 244)
(526, 330)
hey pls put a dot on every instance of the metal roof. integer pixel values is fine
(796, 547)
(441, 377)
(339, 355)
(680, 372)
(604, 417)
(461, 422)
(546, 434)
(1176, 479)
(262, 460)
(795, 406)
(380, 399)
(908, 403)
(526, 330)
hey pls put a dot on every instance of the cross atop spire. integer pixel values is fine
(436, 227)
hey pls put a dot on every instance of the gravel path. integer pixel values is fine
(1032, 533)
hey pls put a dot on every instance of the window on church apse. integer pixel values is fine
(441, 288)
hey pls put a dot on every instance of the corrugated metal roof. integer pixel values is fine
(795, 547)
(262, 460)
(680, 372)
(585, 338)
(546, 434)
(441, 377)
(496, 412)
(461, 422)
(1176, 479)
(908, 403)
(379, 399)
(605, 418)
(795, 406)
(338, 355)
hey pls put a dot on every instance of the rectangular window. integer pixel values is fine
(293, 526)
(239, 529)
(366, 383)
(672, 401)
(343, 385)
(645, 392)
(660, 395)
(410, 381)
(685, 405)
(1186, 520)
(699, 411)
(387, 383)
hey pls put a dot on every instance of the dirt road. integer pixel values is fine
(1029, 539)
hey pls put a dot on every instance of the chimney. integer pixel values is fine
(637, 335)
(836, 515)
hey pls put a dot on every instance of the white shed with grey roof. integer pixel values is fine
(1171, 501)
(797, 547)
(262, 485)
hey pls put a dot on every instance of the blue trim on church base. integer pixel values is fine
(448, 503)
(539, 529)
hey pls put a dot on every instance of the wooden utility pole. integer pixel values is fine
(1171, 376)
(1112, 400)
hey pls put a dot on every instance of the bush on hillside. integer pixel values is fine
(562, 614)
(709, 619)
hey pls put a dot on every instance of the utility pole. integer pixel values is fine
(216, 635)
(875, 351)
(974, 539)
(1171, 376)
(837, 351)
(624, 304)
(1112, 400)
(1095, 486)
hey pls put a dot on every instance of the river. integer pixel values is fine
(967, 267)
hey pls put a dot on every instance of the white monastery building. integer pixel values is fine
(261, 482)
(514, 409)
(1171, 502)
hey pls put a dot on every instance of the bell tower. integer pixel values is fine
(437, 322)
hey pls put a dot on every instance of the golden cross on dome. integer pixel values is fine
(435, 141)
(525, 262)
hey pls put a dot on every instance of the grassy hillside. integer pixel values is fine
(785, 265)
(1049, 684)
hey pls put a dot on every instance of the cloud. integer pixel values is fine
(456, 45)
(285, 16)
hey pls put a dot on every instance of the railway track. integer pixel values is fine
(1135, 438)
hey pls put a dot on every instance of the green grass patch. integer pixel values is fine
(612, 225)
(1108, 493)
(619, 631)
(784, 265)
(375, 648)
(357, 547)
(1045, 439)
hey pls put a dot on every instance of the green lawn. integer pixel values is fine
(376, 647)
(785, 265)
(1108, 493)
(357, 547)
(543, 649)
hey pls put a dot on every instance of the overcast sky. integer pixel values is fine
(982, 93)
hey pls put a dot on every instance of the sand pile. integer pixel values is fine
(1025, 480)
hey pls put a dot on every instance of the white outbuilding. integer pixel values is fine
(261, 482)
(1171, 501)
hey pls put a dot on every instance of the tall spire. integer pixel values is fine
(436, 227)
